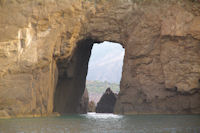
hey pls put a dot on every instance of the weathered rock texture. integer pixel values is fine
(83, 105)
(45, 47)
(91, 106)
(107, 102)
(71, 79)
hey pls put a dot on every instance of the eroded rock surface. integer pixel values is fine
(84, 103)
(91, 106)
(45, 47)
(107, 102)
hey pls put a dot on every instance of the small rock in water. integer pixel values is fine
(107, 102)
(91, 106)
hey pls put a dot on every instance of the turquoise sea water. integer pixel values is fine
(104, 123)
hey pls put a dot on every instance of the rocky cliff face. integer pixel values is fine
(84, 103)
(45, 47)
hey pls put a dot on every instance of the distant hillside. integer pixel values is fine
(97, 88)
(106, 62)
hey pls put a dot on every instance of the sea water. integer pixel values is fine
(103, 123)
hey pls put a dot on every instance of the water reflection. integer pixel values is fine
(104, 123)
(94, 115)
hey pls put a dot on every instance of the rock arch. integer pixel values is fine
(40, 38)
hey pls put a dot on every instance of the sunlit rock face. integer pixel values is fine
(45, 47)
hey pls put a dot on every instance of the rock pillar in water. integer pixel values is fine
(107, 102)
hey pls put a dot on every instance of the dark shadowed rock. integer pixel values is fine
(107, 102)
(83, 107)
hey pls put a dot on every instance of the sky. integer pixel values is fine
(106, 62)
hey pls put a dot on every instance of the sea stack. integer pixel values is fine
(107, 102)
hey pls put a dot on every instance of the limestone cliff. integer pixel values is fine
(45, 46)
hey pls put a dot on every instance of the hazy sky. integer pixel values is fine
(106, 62)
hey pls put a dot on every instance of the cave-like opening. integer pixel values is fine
(72, 72)
(104, 71)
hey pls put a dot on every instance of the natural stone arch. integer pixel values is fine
(161, 64)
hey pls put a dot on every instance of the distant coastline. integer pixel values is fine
(97, 88)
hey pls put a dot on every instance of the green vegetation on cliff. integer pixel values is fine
(100, 87)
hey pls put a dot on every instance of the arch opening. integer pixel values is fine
(104, 75)
(71, 80)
